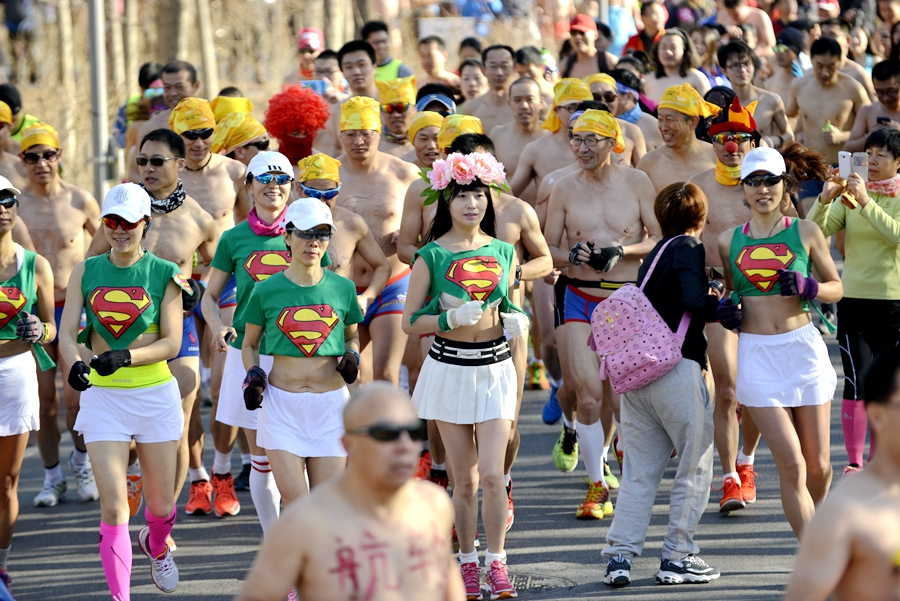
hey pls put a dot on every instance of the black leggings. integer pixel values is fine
(866, 328)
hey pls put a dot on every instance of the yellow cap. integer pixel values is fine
(191, 113)
(396, 91)
(566, 90)
(687, 101)
(360, 112)
(453, 126)
(601, 123)
(235, 130)
(319, 166)
(423, 120)
(225, 105)
(5, 113)
(39, 133)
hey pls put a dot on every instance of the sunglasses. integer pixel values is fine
(9, 202)
(198, 134)
(755, 181)
(32, 158)
(320, 235)
(155, 161)
(780, 48)
(281, 179)
(736, 138)
(113, 222)
(389, 432)
(400, 107)
(320, 194)
(609, 97)
(261, 145)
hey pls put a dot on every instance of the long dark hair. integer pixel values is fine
(443, 222)
(689, 60)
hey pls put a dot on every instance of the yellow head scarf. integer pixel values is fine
(600, 77)
(602, 124)
(453, 126)
(423, 120)
(566, 90)
(396, 91)
(39, 133)
(234, 130)
(225, 105)
(5, 113)
(687, 101)
(319, 166)
(360, 112)
(191, 113)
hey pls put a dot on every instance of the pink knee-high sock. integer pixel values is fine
(160, 528)
(854, 424)
(115, 555)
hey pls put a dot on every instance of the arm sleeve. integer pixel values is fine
(223, 259)
(253, 311)
(830, 218)
(690, 264)
(885, 225)
(404, 70)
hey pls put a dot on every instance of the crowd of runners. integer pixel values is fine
(448, 240)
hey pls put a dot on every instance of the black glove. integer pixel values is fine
(348, 367)
(730, 315)
(29, 328)
(254, 385)
(794, 283)
(107, 363)
(189, 301)
(606, 258)
(573, 254)
(78, 376)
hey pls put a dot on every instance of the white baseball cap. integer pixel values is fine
(763, 159)
(5, 185)
(307, 213)
(269, 161)
(128, 201)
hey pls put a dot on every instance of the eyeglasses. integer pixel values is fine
(155, 161)
(890, 92)
(365, 134)
(114, 221)
(400, 107)
(755, 181)
(9, 202)
(571, 108)
(320, 194)
(198, 134)
(307, 51)
(589, 142)
(324, 73)
(154, 92)
(389, 432)
(281, 179)
(736, 138)
(319, 235)
(609, 97)
(738, 66)
(780, 48)
(261, 145)
(33, 158)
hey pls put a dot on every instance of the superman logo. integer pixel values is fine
(262, 264)
(307, 326)
(478, 276)
(12, 300)
(760, 263)
(118, 308)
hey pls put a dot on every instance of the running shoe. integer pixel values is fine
(536, 378)
(84, 480)
(552, 412)
(293, 596)
(471, 575)
(510, 508)
(611, 481)
(852, 469)
(439, 477)
(242, 482)
(732, 500)
(748, 483)
(135, 499)
(51, 494)
(226, 500)
(200, 498)
(618, 571)
(691, 570)
(424, 467)
(497, 582)
(620, 455)
(565, 451)
(163, 570)
(596, 504)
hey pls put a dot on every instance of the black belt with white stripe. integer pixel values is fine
(473, 354)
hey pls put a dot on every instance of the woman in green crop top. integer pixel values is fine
(784, 376)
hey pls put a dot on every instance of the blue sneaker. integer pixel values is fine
(552, 412)
(618, 571)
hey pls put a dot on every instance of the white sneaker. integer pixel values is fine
(84, 478)
(51, 494)
(163, 571)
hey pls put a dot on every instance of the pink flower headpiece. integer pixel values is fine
(463, 169)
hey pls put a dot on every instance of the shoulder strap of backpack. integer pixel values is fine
(656, 258)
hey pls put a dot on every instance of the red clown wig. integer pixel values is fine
(294, 117)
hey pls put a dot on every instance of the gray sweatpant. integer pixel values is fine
(672, 412)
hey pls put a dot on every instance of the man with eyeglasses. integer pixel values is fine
(839, 30)
(238, 134)
(310, 42)
(398, 105)
(60, 218)
(885, 112)
(373, 530)
(604, 89)
(492, 107)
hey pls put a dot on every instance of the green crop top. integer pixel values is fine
(17, 294)
(757, 260)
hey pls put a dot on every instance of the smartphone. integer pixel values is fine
(229, 336)
(845, 164)
(860, 165)
(316, 85)
(883, 120)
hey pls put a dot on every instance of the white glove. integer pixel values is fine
(466, 315)
(515, 324)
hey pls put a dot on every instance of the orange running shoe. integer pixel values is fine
(135, 499)
(226, 499)
(732, 500)
(200, 498)
(423, 470)
(748, 482)
(596, 504)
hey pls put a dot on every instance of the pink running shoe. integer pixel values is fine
(471, 575)
(497, 581)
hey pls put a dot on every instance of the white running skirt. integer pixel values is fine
(307, 424)
(231, 409)
(19, 402)
(151, 414)
(784, 370)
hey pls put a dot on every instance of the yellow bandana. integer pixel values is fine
(319, 166)
(687, 101)
(423, 120)
(453, 126)
(601, 123)
(600, 77)
(39, 133)
(235, 130)
(566, 90)
(5, 113)
(360, 112)
(396, 91)
(225, 105)
(727, 176)
(191, 113)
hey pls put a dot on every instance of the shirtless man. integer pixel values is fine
(604, 89)
(492, 107)
(826, 96)
(328, 68)
(855, 532)
(373, 531)
(786, 66)
(398, 105)
(736, 12)
(60, 219)
(674, 57)
(605, 212)
(433, 57)
(839, 30)
(682, 154)
(310, 42)
(588, 60)
(886, 111)
(629, 87)
(530, 63)
(423, 135)
(11, 166)
(512, 138)
(373, 185)
(357, 62)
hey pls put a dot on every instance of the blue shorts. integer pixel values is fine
(579, 305)
(227, 299)
(57, 317)
(190, 341)
(391, 300)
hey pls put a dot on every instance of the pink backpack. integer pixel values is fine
(633, 343)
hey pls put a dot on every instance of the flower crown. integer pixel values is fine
(463, 169)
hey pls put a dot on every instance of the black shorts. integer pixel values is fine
(559, 301)
(865, 329)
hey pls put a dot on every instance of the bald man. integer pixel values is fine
(372, 532)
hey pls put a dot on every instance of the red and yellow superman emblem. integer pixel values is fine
(118, 308)
(263, 264)
(307, 326)
(478, 276)
(12, 300)
(760, 263)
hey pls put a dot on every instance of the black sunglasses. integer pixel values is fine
(754, 181)
(390, 432)
(198, 134)
(9, 202)
(609, 97)
(155, 161)
(32, 158)
(261, 145)
(319, 235)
